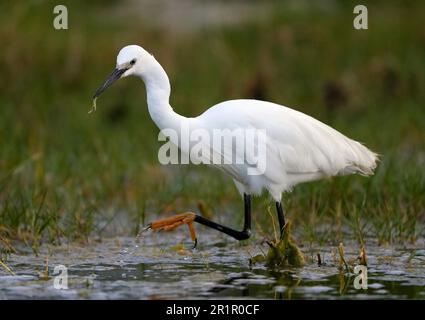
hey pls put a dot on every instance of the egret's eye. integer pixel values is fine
(132, 62)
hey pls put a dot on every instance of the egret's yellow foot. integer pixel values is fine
(174, 222)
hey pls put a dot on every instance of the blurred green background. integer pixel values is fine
(65, 174)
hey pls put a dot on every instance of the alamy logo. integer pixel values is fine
(60, 280)
(360, 281)
(360, 21)
(244, 147)
(61, 20)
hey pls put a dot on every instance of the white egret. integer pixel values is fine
(298, 148)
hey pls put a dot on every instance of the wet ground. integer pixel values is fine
(155, 268)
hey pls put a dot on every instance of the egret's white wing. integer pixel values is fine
(297, 144)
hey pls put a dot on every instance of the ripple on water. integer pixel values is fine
(122, 269)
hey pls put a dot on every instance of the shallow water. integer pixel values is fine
(154, 268)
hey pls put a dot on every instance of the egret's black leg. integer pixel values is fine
(281, 217)
(238, 235)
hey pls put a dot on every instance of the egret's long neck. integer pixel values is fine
(158, 94)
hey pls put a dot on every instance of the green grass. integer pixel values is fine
(67, 175)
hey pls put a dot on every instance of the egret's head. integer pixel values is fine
(131, 60)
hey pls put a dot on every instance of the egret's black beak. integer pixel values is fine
(111, 79)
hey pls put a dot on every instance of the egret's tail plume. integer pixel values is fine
(364, 161)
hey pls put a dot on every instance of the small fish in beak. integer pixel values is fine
(115, 75)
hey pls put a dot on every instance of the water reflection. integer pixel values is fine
(147, 270)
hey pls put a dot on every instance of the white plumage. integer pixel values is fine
(299, 148)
